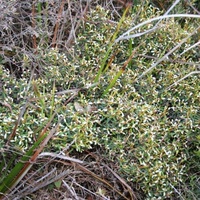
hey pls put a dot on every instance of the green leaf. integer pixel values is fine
(58, 183)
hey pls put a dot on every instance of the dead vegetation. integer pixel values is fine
(28, 31)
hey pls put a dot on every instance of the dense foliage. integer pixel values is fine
(147, 125)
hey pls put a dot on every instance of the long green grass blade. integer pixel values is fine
(12, 177)
(113, 81)
(4, 168)
(112, 41)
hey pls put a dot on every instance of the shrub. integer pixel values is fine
(149, 130)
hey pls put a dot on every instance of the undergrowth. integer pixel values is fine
(147, 127)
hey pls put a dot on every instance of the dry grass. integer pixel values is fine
(139, 140)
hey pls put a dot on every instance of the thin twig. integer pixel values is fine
(133, 196)
(38, 186)
(73, 194)
(127, 35)
(21, 114)
(167, 54)
(33, 26)
(57, 24)
(100, 179)
(54, 155)
(191, 73)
